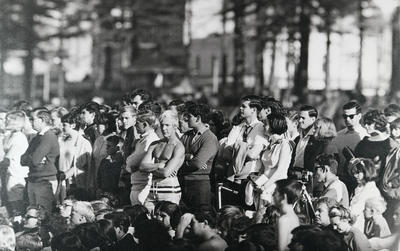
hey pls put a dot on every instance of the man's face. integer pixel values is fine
(140, 127)
(31, 218)
(305, 120)
(351, 118)
(320, 175)
(128, 120)
(196, 227)
(136, 101)
(245, 110)
(67, 128)
(37, 123)
(192, 121)
(322, 215)
(167, 127)
(183, 123)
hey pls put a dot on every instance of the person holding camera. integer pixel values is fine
(325, 173)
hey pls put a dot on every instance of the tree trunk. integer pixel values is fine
(223, 53)
(239, 50)
(301, 76)
(395, 79)
(259, 48)
(29, 45)
(328, 53)
(360, 53)
(3, 57)
(272, 67)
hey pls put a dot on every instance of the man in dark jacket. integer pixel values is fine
(40, 157)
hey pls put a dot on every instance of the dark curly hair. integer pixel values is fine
(377, 118)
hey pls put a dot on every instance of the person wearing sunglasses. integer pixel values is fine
(349, 137)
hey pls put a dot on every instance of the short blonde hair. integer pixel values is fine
(378, 204)
(7, 238)
(324, 128)
(168, 114)
(85, 209)
(18, 120)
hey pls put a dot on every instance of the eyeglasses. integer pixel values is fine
(30, 217)
(350, 116)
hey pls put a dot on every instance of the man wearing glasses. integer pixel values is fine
(349, 137)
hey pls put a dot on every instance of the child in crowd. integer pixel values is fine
(110, 167)
(375, 225)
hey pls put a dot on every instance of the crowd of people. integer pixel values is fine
(182, 176)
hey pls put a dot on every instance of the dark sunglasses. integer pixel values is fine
(30, 217)
(351, 116)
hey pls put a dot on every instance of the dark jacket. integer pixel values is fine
(41, 155)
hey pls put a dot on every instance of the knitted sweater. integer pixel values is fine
(203, 149)
(40, 157)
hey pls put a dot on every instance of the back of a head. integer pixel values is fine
(67, 242)
(29, 242)
(121, 220)
(90, 235)
(152, 235)
(181, 244)
(7, 238)
(137, 213)
(326, 159)
(310, 237)
(264, 235)
(291, 188)
(246, 246)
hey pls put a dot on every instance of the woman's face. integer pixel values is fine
(340, 225)
(66, 208)
(370, 128)
(359, 176)
(56, 120)
(87, 117)
(168, 127)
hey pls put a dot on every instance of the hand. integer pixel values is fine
(184, 222)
